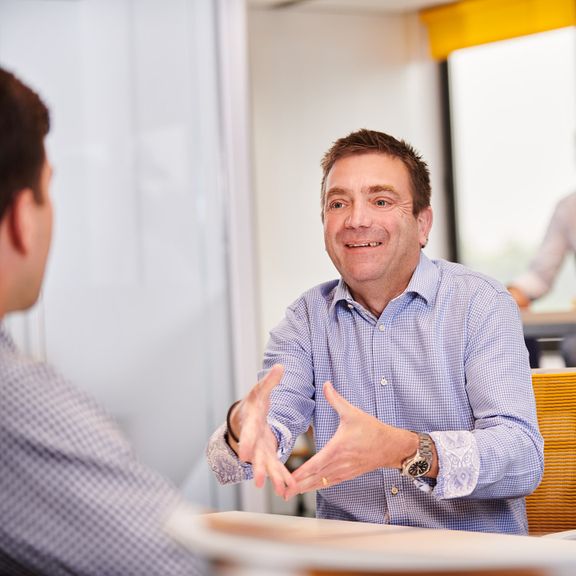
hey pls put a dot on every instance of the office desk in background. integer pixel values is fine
(272, 545)
(549, 324)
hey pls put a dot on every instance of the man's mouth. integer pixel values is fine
(363, 244)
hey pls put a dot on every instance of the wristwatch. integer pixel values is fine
(419, 464)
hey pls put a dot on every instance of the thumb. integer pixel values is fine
(338, 402)
(272, 379)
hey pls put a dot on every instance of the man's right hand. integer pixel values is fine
(258, 444)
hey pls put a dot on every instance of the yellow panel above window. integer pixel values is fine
(473, 22)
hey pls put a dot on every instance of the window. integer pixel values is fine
(513, 117)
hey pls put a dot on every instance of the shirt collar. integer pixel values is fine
(341, 295)
(5, 338)
(424, 282)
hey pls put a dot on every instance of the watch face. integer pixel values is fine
(418, 468)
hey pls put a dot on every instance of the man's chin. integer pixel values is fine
(362, 274)
(25, 301)
(359, 281)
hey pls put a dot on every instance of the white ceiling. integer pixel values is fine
(356, 5)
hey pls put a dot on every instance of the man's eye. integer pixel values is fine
(383, 203)
(336, 204)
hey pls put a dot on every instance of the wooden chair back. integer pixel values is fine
(552, 506)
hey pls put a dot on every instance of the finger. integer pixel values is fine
(281, 478)
(259, 475)
(248, 440)
(311, 468)
(338, 402)
(272, 379)
(260, 468)
(271, 467)
(254, 429)
(255, 406)
(312, 483)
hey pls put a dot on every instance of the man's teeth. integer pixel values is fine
(364, 245)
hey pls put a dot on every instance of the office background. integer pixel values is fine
(186, 140)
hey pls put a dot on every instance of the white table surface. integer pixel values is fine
(283, 543)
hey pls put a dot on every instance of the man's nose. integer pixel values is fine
(359, 216)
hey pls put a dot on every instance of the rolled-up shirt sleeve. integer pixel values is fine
(226, 465)
(502, 457)
(459, 463)
(223, 461)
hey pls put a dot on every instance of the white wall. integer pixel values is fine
(315, 78)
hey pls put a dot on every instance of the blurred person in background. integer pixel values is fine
(559, 241)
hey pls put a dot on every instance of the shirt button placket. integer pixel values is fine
(383, 380)
(382, 372)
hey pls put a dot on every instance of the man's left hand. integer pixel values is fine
(361, 444)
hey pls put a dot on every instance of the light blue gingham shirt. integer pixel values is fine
(445, 357)
(73, 497)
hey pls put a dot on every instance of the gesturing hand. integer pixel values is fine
(361, 444)
(258, 444)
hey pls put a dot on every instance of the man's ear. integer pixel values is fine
(21, 221)
(424, 219)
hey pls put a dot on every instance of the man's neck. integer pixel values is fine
(375, 300)
(375, 296)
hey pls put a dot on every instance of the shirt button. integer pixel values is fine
(350, 306)
(394, 490)
(383, 381)
(381, 327)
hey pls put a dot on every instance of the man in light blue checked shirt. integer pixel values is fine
(413, 371)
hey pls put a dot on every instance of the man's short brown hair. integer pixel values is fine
(372, 142)
(24, 122)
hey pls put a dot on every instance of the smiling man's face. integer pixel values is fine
(370, 232)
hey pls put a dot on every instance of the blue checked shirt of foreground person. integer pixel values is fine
(444, 356)
(73, 497)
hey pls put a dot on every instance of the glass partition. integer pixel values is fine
(136, 304)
